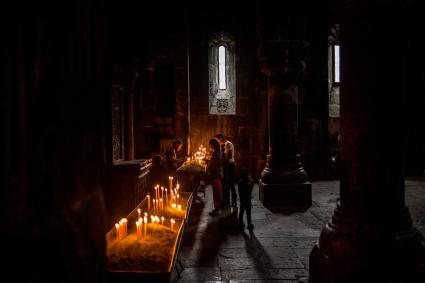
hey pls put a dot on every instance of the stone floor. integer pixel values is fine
(278, 249)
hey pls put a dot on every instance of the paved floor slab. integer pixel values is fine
(277, 250)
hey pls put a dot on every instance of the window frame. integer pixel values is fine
(221, 101)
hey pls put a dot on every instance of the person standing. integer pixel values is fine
(214, 172)
(245, 187)
(228, 152)
(171, 160)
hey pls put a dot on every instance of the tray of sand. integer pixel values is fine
(150, 254)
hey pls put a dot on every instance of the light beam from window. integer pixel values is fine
(222, 67)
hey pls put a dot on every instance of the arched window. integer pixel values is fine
(334, 71)
(335, 64)
(222, 67)
(222, 75)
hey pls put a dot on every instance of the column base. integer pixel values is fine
(339, 257)
(298, 194)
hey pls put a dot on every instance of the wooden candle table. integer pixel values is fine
(148, 251)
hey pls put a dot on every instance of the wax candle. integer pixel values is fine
(149, 201)
(121, 229)
(117, 231)
(138, 229)
(145, 220)
(166, 197)
(172, 224)
(162, 192)
(125, 227)
(179, 210)
(162, 220)
(139, 212)
(170, 178)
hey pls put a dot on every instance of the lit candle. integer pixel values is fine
(121, 228)
(178, 196)
(117, 231)
(162, 192)
(153, 204)
(138, 231)
(161, 205)
(145, 220)
(157, 219)
(125, 227)
(166, 197)
(170, 178)
(172, 224)
(162, 220)
(179, 210)
(149, 201)
(138, 212)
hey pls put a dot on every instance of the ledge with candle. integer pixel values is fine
(149, 249)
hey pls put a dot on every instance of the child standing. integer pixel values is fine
(245, 190)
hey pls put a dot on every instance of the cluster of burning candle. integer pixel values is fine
(121, 229)
(171, 198)
(142, 223)
(198, 156)
(163, 197)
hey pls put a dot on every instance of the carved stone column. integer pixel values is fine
(283, 180)
(370, 236)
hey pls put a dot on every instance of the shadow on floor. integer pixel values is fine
(257, 252)
(216, 234)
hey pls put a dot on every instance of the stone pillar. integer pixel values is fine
(283, 181)
(370, 236)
